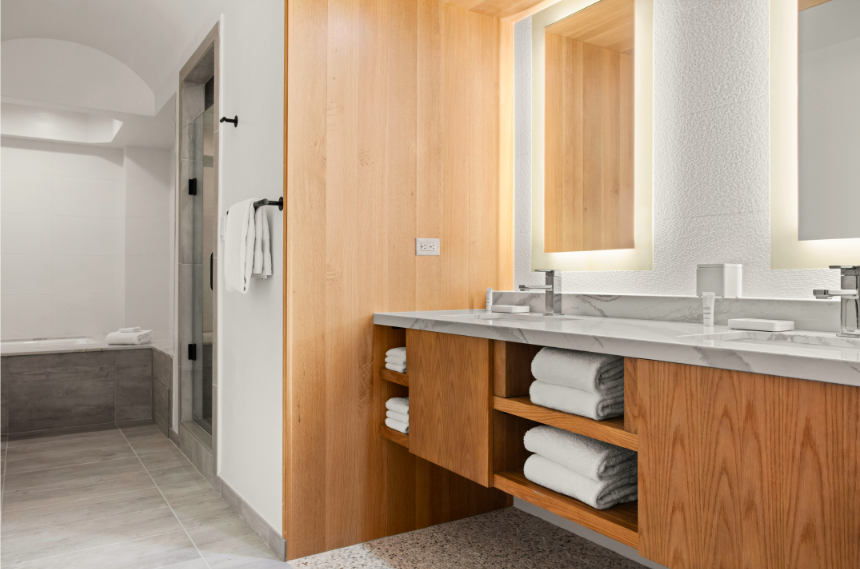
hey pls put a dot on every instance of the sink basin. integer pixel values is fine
(819, 344)
(524, 317)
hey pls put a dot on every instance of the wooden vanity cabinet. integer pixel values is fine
(450, 402)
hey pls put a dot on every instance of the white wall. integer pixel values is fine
(250, 329)
(711, 155)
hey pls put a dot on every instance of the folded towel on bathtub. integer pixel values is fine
(397, 426)
(135, 329)
(398, 405)
(580, 370)
(397, 368)
(129, 338)
(403, 418)
(600, 494)
(591, 458)
(597, 406)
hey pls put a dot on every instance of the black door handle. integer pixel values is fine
(211, 263)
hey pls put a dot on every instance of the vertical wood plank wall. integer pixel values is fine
(399, 125)
(589, 147)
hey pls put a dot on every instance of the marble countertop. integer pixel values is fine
(161, 341)
(649, 339)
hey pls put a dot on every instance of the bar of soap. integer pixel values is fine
(510, 308)
(761, 325)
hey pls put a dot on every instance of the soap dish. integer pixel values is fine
(510, 308)
(761, 325)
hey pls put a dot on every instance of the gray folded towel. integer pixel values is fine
(599, 494)
(398, 405)
(580, 370)
(397, 368)
(589, 457)
(397, 426)
(597, 406)
(403, 418)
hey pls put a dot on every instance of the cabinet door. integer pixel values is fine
(745, 470)
(450, 402)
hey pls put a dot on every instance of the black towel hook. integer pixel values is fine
(234, 120)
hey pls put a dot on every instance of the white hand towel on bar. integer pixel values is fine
(396, 353)
(397, 416)
(395, 367)
(397, 426)
(129, 338)
(398, 404)
(135, 329)
(600, 494)
(262, 246)
(591, 458)
(580, 370)
(597, 406)
(395, 360)
(239, 246)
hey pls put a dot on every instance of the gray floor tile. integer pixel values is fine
(166, 458)
(75, 490)
(67, 539)
(143, 447)
(175, 475)
(225, 537)
(38, 458)
(206, 512)
(107, 433)
(146, 553)
(45, 517)
(72, 473)
(251, 558)
(196, 564)
(187, 492)
(132, 433)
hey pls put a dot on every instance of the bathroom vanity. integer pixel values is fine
(748, 452)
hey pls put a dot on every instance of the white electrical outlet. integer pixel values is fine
(427, 246)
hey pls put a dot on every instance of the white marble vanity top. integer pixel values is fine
(678, 342)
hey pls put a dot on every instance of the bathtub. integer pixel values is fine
(35, 343)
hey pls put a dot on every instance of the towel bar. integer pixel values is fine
(260, 203)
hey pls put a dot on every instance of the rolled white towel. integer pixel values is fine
(397, 352)
(129, 338)
(402, 417)
(597, 406)
(599, 494)
(135, 329)
(579, 370)
(397, 426)
(591, 458)
(398, 405)
(395, 367)
(395, 360)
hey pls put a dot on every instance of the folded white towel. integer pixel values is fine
(395, 360)
(395, 367)
(239, 246)
(600, 494)
(398, 404)
(397, 426)
(135, 329)
(580, 370)
(396, 353)
(597, 406)
(262, 247)
(403, 418)
(129, 338)
(591, 458)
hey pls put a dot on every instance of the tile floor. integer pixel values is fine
(116, 499)
(509, 538)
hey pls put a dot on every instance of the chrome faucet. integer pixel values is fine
(551, 286)
(850, 296)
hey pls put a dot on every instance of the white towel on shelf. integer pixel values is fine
(395, 360)
(397, 426)
(591, 458)
(397, 416)
(395, 367)
(396, 353)
(129, 338)
(239, 246)
(600, 494)
(597, 406)
(134, 329)
(262, 247)
(398, 405)
(579, 370)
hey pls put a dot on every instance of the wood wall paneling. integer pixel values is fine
(609, 24)
(806, 4)
(394, 130)
(746, 470)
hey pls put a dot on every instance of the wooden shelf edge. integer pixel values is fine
(610, 431)
(394, 436)
(619, 523)
(394, 377)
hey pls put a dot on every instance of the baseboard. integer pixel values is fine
(586, 533)
(271, 536)
(173, 436)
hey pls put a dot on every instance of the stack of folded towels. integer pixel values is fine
(397, 414)
(597, 473)
(395, 360)
(129, 336)
(582, 383)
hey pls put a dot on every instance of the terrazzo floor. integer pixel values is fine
(116, 499)
(509, 538)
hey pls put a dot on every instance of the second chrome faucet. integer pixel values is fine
(552, 286)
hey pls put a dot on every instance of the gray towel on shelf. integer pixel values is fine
(398, 405)
(395, 367)
(395, 360)
(600, 494)
(597, 406)
(397, 352)
(580, 370)
(397, 426)
(589, 457)
(403, 418)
